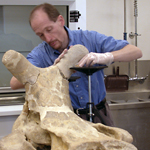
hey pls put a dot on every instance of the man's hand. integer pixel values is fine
(60, 56)
(96, 58)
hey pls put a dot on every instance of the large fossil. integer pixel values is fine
(47, 120)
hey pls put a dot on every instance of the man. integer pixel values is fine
(48, 24)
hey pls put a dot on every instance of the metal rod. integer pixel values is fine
(135, 15)
(125, 32)
(136, 78)
(125, 18)
(90, 98)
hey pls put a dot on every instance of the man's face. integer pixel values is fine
(51, 32)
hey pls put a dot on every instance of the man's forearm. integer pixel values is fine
(15, 84)
(128, 53)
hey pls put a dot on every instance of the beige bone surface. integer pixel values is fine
(47, 118)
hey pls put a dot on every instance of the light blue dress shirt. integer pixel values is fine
(44, 56)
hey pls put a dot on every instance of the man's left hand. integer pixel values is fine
(96, 58)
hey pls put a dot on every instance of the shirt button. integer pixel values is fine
(81, 97)
(77, 85)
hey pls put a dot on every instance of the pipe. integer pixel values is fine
(90, 99)
(135, 15)
(136, 78)
(125, 32)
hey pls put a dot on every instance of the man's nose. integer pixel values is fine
(48, 38)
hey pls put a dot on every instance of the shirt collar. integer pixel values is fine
(70, 35)
(51, 49)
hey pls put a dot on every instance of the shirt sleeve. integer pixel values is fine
(33, 58)
(36, 55)
(42, 56)
(102, 43)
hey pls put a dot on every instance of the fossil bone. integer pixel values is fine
(47, 120)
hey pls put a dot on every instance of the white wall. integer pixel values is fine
(78, 5)
(107, 17)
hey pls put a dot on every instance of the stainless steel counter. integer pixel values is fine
(9, 97)
(8, 90)
(131, 111)
(12, 100)
(11, 105)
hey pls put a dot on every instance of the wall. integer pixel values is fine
(16, 34)
(107, 17)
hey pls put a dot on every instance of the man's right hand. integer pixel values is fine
(60, 56)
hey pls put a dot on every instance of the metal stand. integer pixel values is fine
(132, 35)
(89, 71)
(90, 99)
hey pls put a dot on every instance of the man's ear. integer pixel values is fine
(61, 20)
